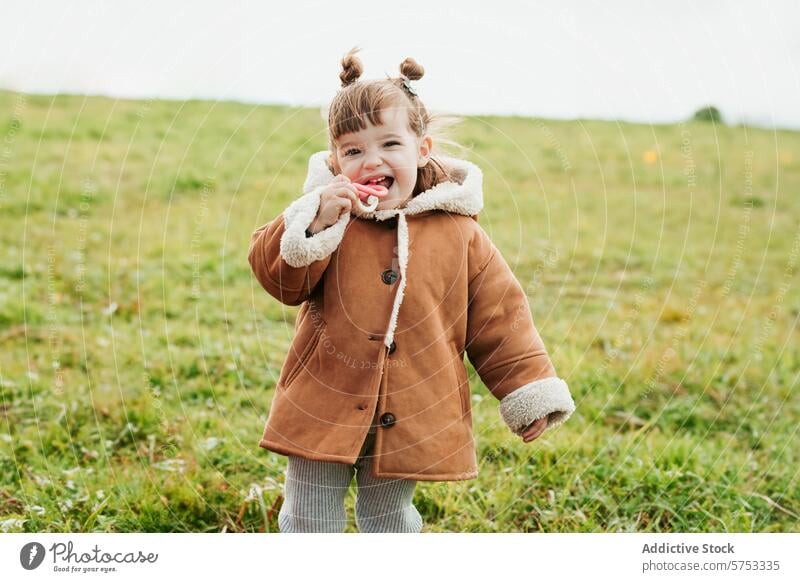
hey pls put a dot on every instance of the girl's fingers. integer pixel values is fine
(345, 196)
(538, 423)
(349, 194)
(345, 190)
(341, 199)
(343, 204)
(352, 190)
(529, 433)
(535, 429)
(338, 193)
(532, 437)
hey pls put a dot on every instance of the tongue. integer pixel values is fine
(367, 190)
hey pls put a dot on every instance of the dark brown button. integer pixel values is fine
(392, 347)
(389, 276)
(387, 419)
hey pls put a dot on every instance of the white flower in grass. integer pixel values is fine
(210, 443)
(171, 465)
(12, 524)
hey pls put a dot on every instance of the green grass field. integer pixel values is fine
(138, 355)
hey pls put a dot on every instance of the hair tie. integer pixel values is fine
(407, 84)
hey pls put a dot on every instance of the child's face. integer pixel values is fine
(388, 149)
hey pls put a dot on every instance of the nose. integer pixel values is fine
(372, 158)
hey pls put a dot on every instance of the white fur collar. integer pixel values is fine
(464, 196)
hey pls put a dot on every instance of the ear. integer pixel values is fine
(425, 147)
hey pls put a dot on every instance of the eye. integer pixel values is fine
(350, 152)
(389, 143)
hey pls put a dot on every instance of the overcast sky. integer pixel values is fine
(631, 60)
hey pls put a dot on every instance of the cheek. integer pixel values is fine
(348, 170)
(344, 166)
(409, 177)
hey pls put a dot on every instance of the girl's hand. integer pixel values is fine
(534, 429)
(338, 197)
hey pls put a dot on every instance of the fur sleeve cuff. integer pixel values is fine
(297, 249)
(545, 397)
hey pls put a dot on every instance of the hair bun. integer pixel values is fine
(412, 69)
(351, 67)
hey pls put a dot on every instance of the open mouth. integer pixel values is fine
(385, 181)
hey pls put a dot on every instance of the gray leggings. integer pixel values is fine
(315, 493)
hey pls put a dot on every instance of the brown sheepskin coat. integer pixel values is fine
(389, 304)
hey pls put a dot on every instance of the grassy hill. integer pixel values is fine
(138, 355)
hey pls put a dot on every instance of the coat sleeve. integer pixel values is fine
(286, 261)
(504, 346)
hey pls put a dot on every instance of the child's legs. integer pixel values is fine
(384, 505)
(314, 500)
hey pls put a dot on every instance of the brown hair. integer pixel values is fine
(360, 101)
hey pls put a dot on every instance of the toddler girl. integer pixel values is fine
(391, 297)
